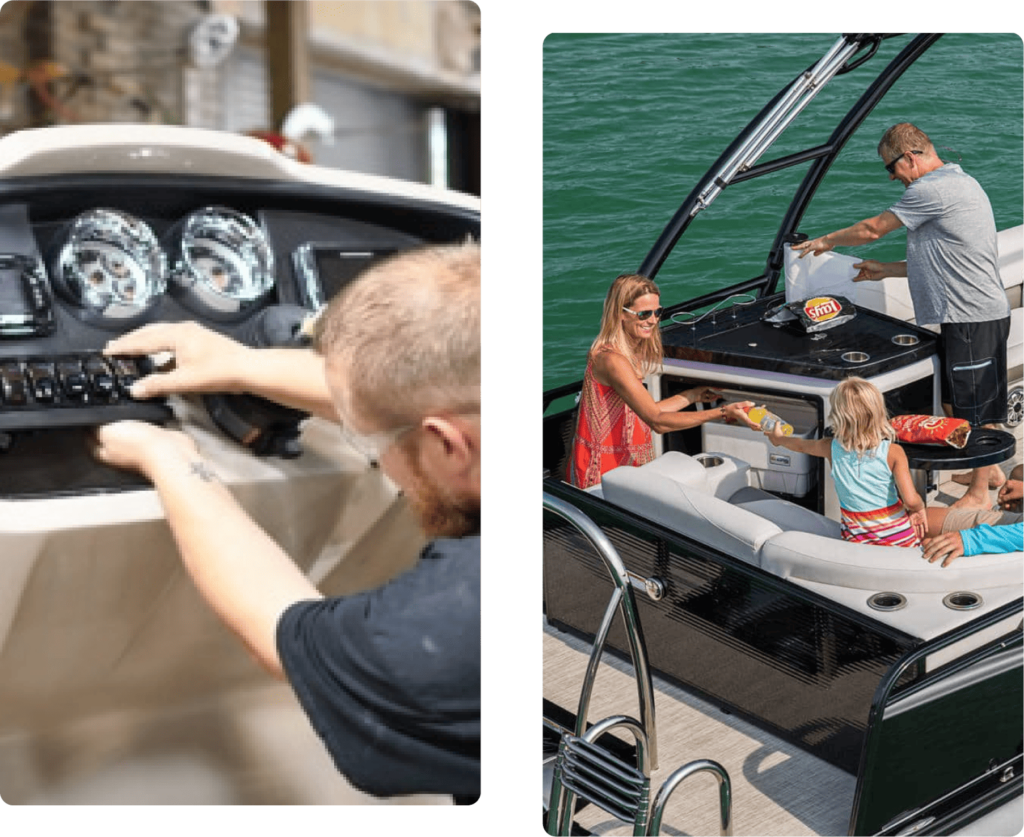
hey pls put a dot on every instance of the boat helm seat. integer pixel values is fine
(674, 498)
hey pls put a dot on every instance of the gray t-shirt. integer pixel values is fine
(952, 256)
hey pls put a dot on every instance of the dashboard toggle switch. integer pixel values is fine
(72, 380)
(41, 379)
(12, 385)
(101, 381)
(126, 373)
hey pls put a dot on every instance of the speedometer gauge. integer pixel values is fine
(112, 266)
(222, 264)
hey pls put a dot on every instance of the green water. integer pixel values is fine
(632, 121)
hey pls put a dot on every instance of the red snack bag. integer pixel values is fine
(923, 430)
(822, 312)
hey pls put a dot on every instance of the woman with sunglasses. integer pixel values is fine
(616, 412)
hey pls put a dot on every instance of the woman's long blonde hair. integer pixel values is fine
(859, 418)
(625, 290)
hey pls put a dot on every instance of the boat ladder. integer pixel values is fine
(585, 769)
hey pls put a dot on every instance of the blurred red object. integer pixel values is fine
(289, 148)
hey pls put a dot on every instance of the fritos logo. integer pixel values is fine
(822, 308)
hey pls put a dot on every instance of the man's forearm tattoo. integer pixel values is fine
(203, 471)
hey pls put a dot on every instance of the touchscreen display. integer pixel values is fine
(336, 268)
(12, 295)
(25, 307)
(324, 269)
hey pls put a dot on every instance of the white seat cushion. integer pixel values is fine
(799, 555)
(657, 495)
(786, 515)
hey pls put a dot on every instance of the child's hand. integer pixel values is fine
(919, 520)
(775, 435)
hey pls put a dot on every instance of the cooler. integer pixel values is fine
(772, 468)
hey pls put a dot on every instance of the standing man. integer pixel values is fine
(954, 282)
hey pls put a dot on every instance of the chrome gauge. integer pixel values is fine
(112, 266)
(222, 264)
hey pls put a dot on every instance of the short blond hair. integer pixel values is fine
(901, 138)
(406, 333)
(859, 417)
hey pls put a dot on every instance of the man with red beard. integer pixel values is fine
(390, 678)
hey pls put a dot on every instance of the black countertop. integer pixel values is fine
(738, 337)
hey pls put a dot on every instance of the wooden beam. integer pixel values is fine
(287, 46)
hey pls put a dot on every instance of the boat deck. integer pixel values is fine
(777, 787)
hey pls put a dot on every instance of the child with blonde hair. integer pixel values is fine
(877, 498)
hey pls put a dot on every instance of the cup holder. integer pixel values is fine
(855, 357)
(887, 601)
(963, 600)
(905, 340)
(709, 461)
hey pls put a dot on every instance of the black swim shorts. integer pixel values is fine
(973, 357)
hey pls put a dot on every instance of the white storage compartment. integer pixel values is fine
(771, 468)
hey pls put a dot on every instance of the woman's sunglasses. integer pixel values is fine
(643, 315)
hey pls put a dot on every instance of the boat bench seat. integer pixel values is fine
(788, 516)
(671, 491)
(807, 557)
(785, 539)
(674, 491)
(810, 548)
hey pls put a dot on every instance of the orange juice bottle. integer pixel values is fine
(768, 420)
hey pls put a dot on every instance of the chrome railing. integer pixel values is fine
(623, 600)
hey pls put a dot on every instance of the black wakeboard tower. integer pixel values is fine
(739, 161)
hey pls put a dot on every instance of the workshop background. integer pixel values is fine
(381, 88)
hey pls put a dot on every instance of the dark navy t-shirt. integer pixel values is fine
(390, 678)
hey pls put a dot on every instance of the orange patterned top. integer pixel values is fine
(608, 434)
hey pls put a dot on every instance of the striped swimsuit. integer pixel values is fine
(871, 508)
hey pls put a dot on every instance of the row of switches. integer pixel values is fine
(66, 381)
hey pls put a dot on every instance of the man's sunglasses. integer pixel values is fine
(643, 315)
(891, 166)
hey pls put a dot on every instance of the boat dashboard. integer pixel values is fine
(87, 254)
(104, 229)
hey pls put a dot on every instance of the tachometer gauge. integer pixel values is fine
(222, 265)
(112, 267)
